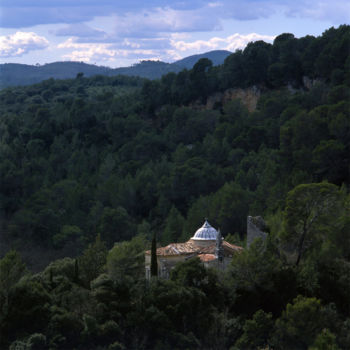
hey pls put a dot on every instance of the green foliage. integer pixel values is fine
(92, 262)
(120, 151)
(28, 301)
(325, 341)
(64, 267)
(310, 214)
(126, 259)
(173, 227)
(256, 332)
(125, 157)
(115, 225)
(67, 233)
(37, 341)
(11, 270)
(299, 324)
(190, 273)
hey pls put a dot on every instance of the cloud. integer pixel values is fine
(145, 27)
(231, 43)
(80, 30)
(21, 13)
(162, 20)
(87, 52)
(337, 11)
(21, 43)
(104, 52)
(28, 16)
(194, 15)
(165, 49)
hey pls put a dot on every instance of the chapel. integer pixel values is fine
(207, 244)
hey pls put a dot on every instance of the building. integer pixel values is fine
(207, 244)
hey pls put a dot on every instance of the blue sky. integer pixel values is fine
(119, 33)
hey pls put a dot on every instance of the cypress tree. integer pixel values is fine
(76, 271)
(154, 264)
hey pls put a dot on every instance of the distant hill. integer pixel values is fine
(12, 74)
(217, 57)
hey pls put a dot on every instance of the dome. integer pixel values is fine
(205, 233)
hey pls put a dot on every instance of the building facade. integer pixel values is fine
(207, 244)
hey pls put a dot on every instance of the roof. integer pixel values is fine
(189, 247)
(206, 232)
(206, 257)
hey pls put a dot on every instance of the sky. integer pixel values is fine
(119, 33)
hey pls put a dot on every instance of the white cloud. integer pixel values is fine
(231, 43)
(87, 52)
(239, 41)
(165, 49)
(92, 52)
(21, 43)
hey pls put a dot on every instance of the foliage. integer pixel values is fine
(256, 332)
(92, 262)
(310, 215)
(126, 259)
(299, 324)
(119, 158)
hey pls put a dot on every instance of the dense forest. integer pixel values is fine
(89, 162)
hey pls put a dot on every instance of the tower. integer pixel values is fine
(219, 250)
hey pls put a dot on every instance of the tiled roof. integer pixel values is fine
(231, 247)
(189, 247)
(206, 257)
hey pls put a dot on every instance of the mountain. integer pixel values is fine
(12, 74)
(216, 56)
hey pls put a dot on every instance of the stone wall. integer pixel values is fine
(255, 229)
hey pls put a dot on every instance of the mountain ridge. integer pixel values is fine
(16, 74)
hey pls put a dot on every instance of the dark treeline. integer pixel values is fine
(123, 158)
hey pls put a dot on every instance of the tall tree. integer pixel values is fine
(311, 210)
(154, 264)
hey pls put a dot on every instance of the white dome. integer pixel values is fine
(205, 233)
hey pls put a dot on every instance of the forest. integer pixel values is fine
(92, 168)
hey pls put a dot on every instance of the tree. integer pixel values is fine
(198, 77)
(68, 233)
(310, 211)
(154, 264)
(173, 226)
(126, 259)
(325, 341)
(11, 270)
(116, 225)
(256, 332)
(28, 301)
(299, 324)
(93, 260)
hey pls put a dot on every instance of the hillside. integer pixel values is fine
(12, 74)
(216, 56)
(92, 168)
(101, 139)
